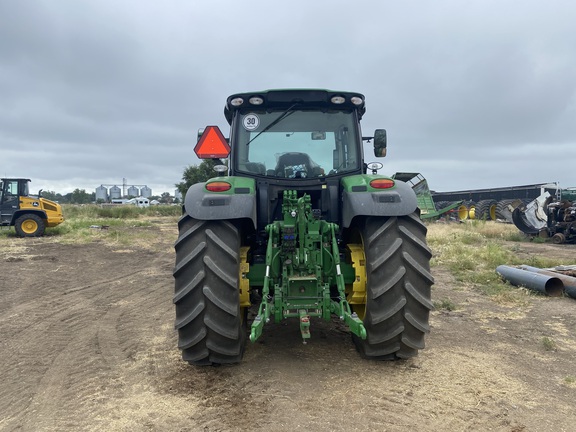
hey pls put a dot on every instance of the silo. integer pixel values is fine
(177, 194)
(115, 192)
(101, 193)
(133, 191)
(146, 192)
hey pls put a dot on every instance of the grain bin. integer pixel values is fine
(133, 191)
(101, 193)
(146, 192)
(115, 192)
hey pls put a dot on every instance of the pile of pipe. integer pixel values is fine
(546, 281)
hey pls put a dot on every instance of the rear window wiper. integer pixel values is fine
(281, 117)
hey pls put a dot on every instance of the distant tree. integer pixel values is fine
(80, 196)
(197, 174)
(52, 196)
(165, 198)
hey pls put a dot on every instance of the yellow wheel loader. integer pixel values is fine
(30, 215)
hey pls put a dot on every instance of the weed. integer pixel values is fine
(548, 344)
(445, 304)
(538, 240)
(117, 225)
(472, 251)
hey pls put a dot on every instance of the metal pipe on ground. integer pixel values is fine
(568, 281)
(549, 285)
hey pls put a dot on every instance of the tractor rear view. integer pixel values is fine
(297, 227)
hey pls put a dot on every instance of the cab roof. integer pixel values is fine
(286, 98)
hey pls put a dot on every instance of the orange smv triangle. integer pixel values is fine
(212, 144)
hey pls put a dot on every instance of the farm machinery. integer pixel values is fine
(549, 217)
(429, 209)
(297, 227)
(28, 214)
(493, 203)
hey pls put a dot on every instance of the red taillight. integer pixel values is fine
(382, 183)
(218, 186)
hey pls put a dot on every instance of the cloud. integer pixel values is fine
(97, 91)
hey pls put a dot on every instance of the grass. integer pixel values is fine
(548, 344)
(445, 304)
(472, 251)
(119, 224)
(117, 212)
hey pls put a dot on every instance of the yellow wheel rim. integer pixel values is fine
(462, 212)
(29, 226)
(357, 292)
(244, 283)
(493, 212)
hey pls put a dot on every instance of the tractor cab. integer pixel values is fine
(13, 187)
(304, 139)
(10, 192)
(296, 135)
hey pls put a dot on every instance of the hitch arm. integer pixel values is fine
(265, 309)
(342, 308)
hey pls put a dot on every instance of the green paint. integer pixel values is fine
(303, 267)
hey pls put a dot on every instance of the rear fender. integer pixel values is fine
(237, 203)
(359, 199)
(17, 214)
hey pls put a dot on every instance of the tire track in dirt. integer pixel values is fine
(56, 375)
(105, 358)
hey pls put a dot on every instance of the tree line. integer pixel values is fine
(197, 174)
(80, 196)
(191, 175)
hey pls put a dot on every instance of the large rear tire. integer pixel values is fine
(486, 210)
(211, 328)
(505, 208)
(398, 287)
(30, 225)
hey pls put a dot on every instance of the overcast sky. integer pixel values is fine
(473, 94)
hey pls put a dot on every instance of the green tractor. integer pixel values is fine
(297, 227)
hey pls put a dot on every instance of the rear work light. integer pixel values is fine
(337, 100)
(218, 186)
(382, 183)
(256, 100)
(237, 101)
(356, 100)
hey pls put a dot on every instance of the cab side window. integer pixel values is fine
(10, 191)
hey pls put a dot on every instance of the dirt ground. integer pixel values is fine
(87, 344)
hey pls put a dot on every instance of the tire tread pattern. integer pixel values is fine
(398, 287)
(484, 209)
(206, 296)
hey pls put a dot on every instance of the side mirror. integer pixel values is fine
(380, 142)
